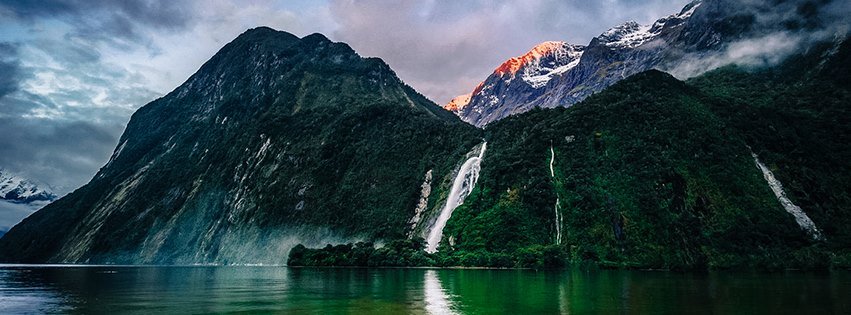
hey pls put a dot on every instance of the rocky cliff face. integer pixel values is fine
(276, 140)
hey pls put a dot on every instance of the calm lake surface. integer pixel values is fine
(194, 290)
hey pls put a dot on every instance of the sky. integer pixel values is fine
(73, 71)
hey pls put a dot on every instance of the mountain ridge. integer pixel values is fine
(272, 142)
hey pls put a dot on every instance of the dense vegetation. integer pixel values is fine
(410, 253)
(658, 173)
(797, 117)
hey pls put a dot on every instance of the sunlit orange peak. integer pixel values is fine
(462, 101)
(458, 102)
(511, 66)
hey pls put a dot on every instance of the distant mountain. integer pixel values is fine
(14, 188)
(276, 140)
(518, 80)
(703, 35)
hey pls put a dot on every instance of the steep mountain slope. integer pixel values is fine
(798, 120)
(658, 173)
(704, 35)
(653, 172)
(275, 140)
(642, 174)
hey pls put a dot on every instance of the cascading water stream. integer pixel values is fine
(558, 215)
(800, 217)
(461, 188)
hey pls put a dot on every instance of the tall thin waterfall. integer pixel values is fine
(800, 217)
(558, 218)
(461, 188)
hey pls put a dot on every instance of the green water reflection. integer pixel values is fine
(198, 290)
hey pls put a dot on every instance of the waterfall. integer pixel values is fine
(552, 159)
(800, 217)
(461, 188)
(558, 224)
(558, 218)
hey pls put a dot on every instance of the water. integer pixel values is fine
(800, 217)
(194, 290)
(463, 184)
(558, 219)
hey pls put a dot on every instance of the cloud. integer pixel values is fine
(75, 70)
(9, 68)
(107, 19)
(61, 154)
(778, 30)
(12, 213)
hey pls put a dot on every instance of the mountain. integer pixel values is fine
(737, 168)
(279, 140)
(14, 188)
(703, 35)
(518, 80)
(276, 140)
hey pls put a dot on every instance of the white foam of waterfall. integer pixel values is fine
(463, 184)
(558, 224)
(800, 217)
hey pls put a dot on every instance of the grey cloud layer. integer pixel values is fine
(786, 27)
(9, 68)
(104, 19)
(74, 70)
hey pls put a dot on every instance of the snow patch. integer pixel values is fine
(17, 189)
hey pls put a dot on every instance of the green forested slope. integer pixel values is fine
(658, 173)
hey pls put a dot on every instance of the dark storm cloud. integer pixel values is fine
(123, 18)
(9, 69)
(57, 153)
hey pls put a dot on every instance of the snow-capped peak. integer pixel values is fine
(538, 72)
(512, 65)
(542, 62)
(688, 10)
(627, 35)
(631, 34)
(15, 188)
